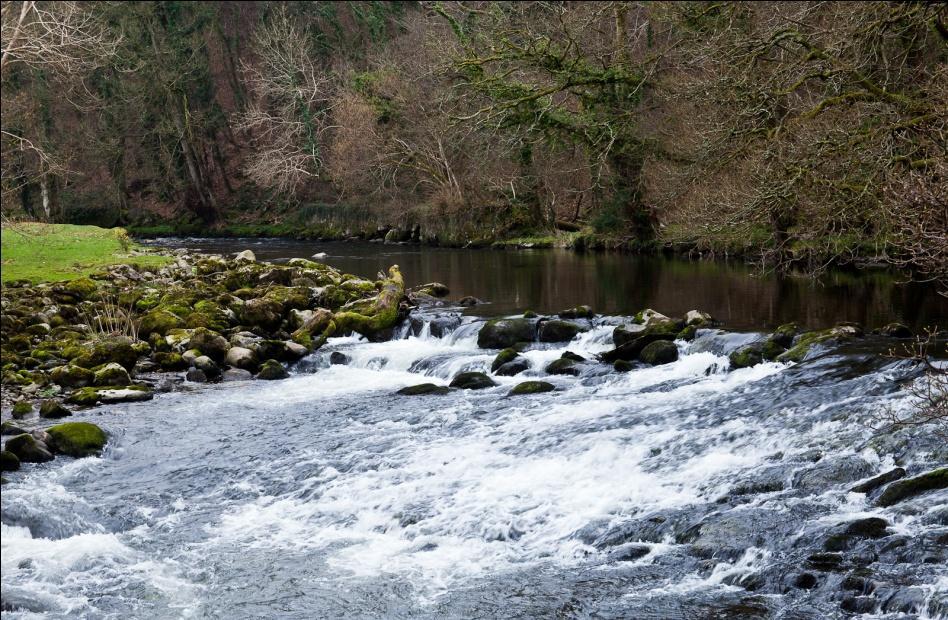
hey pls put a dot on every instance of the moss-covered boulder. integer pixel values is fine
(53, 409)
(424, 388)
(504, 333)
(688, 333)
(21, 409)
(77, 439)
(513, 367)
(116, 349)
(472, 381)
(28, 449)
(9, 427)
(698, 318)
(9, 461)
(507, 355)
(659, 352)
(262, 312)
(72, 375)
(805, 345)
(169, 361)
(579, 312)
(557, 331)
(207, 366)
(746, 356)
(112, 374)
(562, 366)
(785, 334)
(81, 288)
(272, 370)
(160, 321)
(209, 343)
(531, 387)
(210, 315)
(910, 487)
(90, 396)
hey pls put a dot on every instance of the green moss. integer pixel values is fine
(78, 439)
(531, 387)
(21, 409)
(507, 355)
(745, 357)
(159, 321)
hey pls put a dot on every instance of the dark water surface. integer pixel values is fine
(550, 280)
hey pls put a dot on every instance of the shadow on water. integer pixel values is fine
(549, 280)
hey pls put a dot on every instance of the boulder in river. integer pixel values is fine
(21, 409)
(9, 461)
(698, 318)
(272, 370)
(209, 343)
(472, 381)
(659, 352)
(77, 439)
(896, 330)
(504, 333)
(28, 449)
(241, 358)
(507, 355)
(579, 312)
(877, 481)
(237, 374)
(72, 376)
(513, 367)
(910, 487)
(531, 387)
(195, 375)
(557, 331)
(338, 358)
(562, 366)
(424, 388)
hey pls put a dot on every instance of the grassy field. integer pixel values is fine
(52, 252)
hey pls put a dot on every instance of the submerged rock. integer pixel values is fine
(338, 358)
(874, 483)
(424, 388)
(562, 366)
(504, 333)
(472, 381)
(531, 387)
(77, 439)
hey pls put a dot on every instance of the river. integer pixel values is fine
(689, 490)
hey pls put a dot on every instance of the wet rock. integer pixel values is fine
(825, 561)
(469, 301)
(557, 331)
(9, 461)
(28, 450)
(72, 376)
(424, 388)
(874, 483)
(531, 387)
(569, 355)
(896, 330)
(236, 374)
(859, 604)
(433, 289)
(830, 472)
(209, 343)
(77, 439)
(9, 428)
(562, 366)
(53, 409)
(505, 356)
(195, 375)
(21, 409)
(659, 352)
(910, 487)
(579, 312)
(112, 374)
(622, 366)
(847, 533)
(514, 367)
(338, 358)
(909, 600)
(630, 552)
(504, 333)
(241, 358)
(746, 356)
(805, 581)
(805, 345)
(207, 366)
(698, 318)
(727, 535)
(472, 381)
(629, 344)
(272, 370)
(128, 394)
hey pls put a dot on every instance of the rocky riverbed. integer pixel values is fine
(653, 465)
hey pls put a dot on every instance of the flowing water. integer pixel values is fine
(689, 490)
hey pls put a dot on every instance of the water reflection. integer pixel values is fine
(549, 280)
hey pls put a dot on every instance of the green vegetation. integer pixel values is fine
(53, 252)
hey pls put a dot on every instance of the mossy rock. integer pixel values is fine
(117, 349)
(53, 409)
(111, 374)
(81, 288)
(659, 352)
(211, 315)
(507, 355)
(262, 312)
(292, 297)
(746, 356)
(160, 321)
(771, 349)
(514, 367)
(504, 333)
(77, 439)
(896, 330)
(209, 343)
(804, 344)
(169, 361)
(562, 366)
(557, 331)
(21, 409)
(90, 396)
(530, 314)
(27, 449)
(531, 387)
(579, 312)
(9, 461)
(688, 333)
(424, 388)
(910, 487)
(785, 334)
(272, 370)
(472, 381)
(72, 376)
